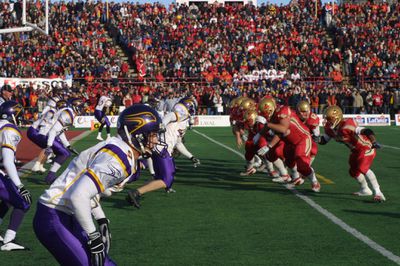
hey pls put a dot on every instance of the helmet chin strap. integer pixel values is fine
(142, 149)
(128, 136)
(15, 120)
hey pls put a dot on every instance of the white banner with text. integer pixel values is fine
(44, 84)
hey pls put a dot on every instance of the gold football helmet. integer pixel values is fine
(333, 115)
(247, 104)
(249, 117)
(303, 110)
(235, 103)
(267, 107)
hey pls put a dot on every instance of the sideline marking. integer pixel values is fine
(331, 217)
(22, 172)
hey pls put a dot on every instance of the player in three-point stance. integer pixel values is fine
(63, 221)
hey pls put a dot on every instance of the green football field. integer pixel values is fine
(217, 217)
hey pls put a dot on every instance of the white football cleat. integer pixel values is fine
(316, 187)
(1, 239)
(298, 181)
(273, 174)
(379, 197)
(282, 179)
(42, 169)
(99, 138)
(11, 246)
(250, 171)
(36, 168)
(363, 192)
(171, 190)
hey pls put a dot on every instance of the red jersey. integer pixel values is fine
(345, 133)
(312, 122)
(236, 115)
(297, 131)
(253, 131)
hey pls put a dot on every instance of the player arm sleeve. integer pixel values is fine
(81, 193)
(97, 210)
(168, 118)
(9, 165)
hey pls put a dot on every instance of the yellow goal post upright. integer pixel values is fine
(28, 26)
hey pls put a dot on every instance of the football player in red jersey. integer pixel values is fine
(252, 127)
(362, 143)
(273, 154)
(235, 117)
(288, 127)
(311, 121)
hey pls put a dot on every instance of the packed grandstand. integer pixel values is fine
(346, 55)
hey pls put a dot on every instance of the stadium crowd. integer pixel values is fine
(292, 51)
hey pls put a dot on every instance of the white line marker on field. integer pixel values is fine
(354, 232)
(391, 147)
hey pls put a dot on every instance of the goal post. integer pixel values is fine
(28, 26)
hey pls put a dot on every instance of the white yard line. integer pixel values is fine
(29, 165)
(331, 217)
(391, 147)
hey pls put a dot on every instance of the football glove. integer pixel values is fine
(71, 149)
(315, 138)
(105, 232)
(25, 194)
(97, 250)
(195, 161)
(262, 151)
(376, 145)
(133, 198)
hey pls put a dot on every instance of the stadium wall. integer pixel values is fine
(223, 121)
(224, 2)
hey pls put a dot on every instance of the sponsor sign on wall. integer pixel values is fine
(223, 121)
(366, 120)
(397, 119)
(91, 122)
(211, 121)
(44, 84)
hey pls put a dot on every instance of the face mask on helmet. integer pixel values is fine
(77, 105)
(333, 116)
(303, 110)
(267, 107)
(140, 126)
(61, 104)
(247, 104)
(190, 105)
(11, 111)
(249, 118)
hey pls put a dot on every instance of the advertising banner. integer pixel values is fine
(397, 119)
(44, 84)
(366, 120)
(211, 121)
(92, 123)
